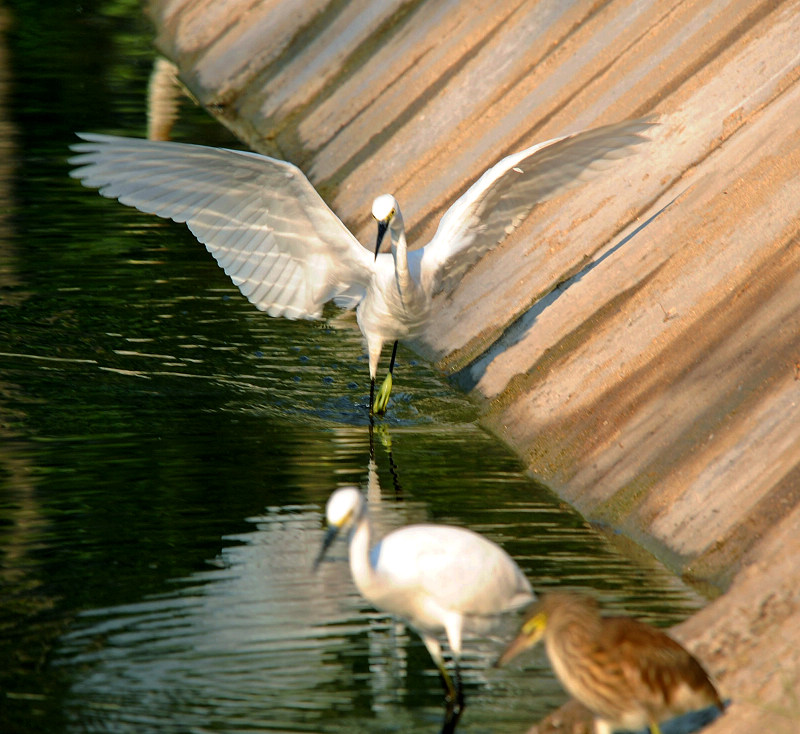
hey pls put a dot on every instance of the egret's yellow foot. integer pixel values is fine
(382, 399)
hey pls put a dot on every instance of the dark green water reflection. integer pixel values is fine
(166, 452)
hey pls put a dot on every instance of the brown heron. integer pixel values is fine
(628, 674)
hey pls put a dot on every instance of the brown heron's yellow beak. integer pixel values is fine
(532, 631)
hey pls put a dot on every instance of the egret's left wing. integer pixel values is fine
(259, 217)
(504, 195)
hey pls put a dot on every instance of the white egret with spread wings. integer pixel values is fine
(289, 254)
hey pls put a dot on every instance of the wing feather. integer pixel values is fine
(495, 205)
(259, 217)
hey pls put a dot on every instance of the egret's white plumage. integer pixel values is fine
(441, 580)
(289, 253)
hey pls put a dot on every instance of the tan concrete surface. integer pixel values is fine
(637, 340)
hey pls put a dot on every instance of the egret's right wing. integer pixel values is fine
(259, 217)
(504, 195)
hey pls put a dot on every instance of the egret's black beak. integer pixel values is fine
(327, 541)
(382, 227)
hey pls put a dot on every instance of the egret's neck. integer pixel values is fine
(360, 566)
(400, 254)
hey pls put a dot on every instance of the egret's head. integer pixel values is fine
(345, 507)
(385, 210)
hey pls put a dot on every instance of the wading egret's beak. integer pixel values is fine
(382, 227)
(327, 542)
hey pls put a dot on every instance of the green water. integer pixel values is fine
(166, 452)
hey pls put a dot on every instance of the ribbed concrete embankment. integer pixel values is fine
(636, 340)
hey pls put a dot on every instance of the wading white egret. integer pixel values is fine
(289, 253)
(628, 674)
(439, 579)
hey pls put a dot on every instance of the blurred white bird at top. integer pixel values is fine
(439, 579)
(289, 254)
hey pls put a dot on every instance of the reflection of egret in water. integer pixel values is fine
(164, 93)
(385, 634)
(289, 254)
(373, 486)
(442, 580)
(247, 642)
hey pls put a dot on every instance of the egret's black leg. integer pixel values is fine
(454, 699)
(394, 355)
(459, 690)
(451, 717)
(452, 714)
